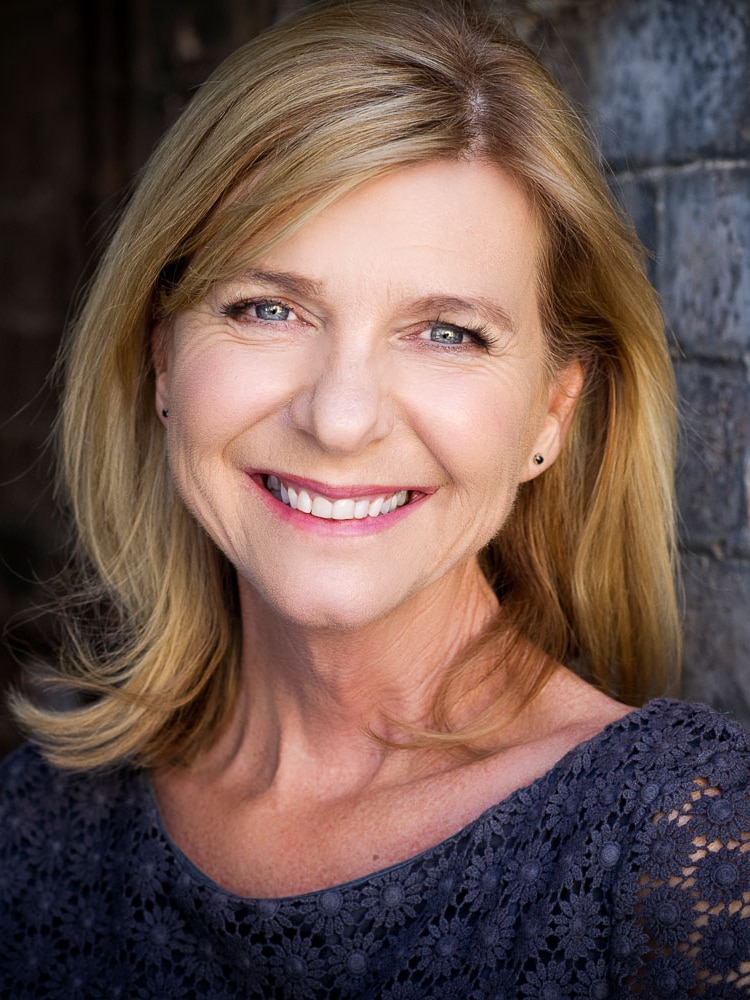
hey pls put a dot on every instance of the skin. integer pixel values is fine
(343, 364)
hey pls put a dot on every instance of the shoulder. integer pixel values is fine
(25, 774)
(655, 772)
(672, 742)
(682, 785)
(667, 759)
(71, 846)
(45, 808)
(669, 715)
(645, 828)
(644, 789)
(682, 760)
(666, 770)
(29, 788)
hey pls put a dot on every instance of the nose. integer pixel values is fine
(345, 405)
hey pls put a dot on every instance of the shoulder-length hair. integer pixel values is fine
(344, 93)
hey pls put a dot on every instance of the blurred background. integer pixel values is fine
(89, 86)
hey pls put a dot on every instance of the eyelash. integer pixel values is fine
(480, 335)
(235, 309)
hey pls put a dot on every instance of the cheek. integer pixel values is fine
(478, 427)
(218, 394)
(215, 396)
(199, 394)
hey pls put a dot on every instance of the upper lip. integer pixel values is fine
(346, 492)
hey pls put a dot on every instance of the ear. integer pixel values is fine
(160, 361)
(563, 393)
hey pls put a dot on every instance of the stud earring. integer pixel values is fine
(539, 459)
(165, 413)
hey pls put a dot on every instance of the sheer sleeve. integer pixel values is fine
(684, 895)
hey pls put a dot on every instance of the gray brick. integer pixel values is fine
(705, 260)
(639, 197)
(715, 445)
(665, 81)
(716, 661)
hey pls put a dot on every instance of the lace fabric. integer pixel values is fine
(623, 872)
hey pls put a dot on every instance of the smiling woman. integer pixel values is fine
(368, 434)
(366, 384)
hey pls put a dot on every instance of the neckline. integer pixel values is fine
(506, 805)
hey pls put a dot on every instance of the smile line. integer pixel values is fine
(345, 509)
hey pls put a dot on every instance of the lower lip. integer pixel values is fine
(325, 526)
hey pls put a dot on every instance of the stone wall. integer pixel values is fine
(665, 85)
(89, 88)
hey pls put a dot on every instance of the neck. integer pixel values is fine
(325, 688)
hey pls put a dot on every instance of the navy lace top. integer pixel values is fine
(623, 872)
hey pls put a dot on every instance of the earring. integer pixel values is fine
(539, 459)
(165, 413)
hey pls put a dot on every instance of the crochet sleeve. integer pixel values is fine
(684, 895)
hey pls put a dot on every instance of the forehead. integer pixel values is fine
(447, 227)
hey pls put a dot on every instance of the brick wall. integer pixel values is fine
(90, 86)
(666, 87)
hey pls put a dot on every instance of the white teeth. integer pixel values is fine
(321, 508)
(343, 510)
(347, 509)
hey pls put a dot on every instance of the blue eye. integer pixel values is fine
(442, 333)
(271, 310)
(450, 335)
(267, 310)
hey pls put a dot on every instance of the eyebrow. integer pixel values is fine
(296, 284)
(452, 303)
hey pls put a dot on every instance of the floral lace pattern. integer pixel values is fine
(623, 872)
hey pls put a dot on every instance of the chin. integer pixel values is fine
(349, 616)
(324, 612)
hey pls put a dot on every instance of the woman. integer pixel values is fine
(368, 434)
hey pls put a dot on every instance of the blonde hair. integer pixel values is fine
(344, 93)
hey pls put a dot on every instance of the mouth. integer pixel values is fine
(352, 508)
